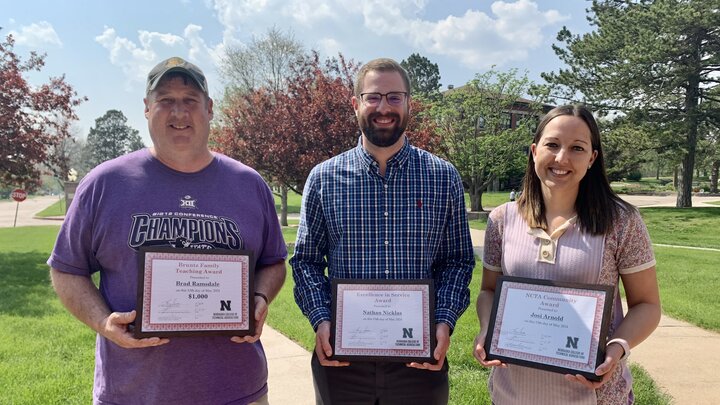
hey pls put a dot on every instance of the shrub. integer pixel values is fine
(634, 175)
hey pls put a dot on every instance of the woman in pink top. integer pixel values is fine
(568, 225)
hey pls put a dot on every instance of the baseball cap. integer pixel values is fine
(175, 64)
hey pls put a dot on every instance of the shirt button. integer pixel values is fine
(545, 242)
(387, 271)
(386, 214)
(387, 243)
(386, 186)
(545, 254)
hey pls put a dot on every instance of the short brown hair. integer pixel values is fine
(380, 65)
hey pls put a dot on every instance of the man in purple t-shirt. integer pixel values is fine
(176, 193)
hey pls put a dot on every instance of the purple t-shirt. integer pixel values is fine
(135, 201)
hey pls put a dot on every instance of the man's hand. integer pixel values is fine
(261, 311)
(323, 349)
(115, 328)
(442, 334)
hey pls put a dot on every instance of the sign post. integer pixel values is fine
(18, 195)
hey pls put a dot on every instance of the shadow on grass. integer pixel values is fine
(27, 291)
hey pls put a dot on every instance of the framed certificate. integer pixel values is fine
(189, 292)
(554, 326)
(383, 320)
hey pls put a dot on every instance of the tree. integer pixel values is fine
(111, 137)
(656, 57)
(284, 134)
(626, 146)
(264, 63)
(424, 76)
(475, 124)
(34, 121)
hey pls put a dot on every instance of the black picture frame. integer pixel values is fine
(143, 327)
(598, 336)
(424, 355)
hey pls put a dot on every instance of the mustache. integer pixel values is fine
(393, 115)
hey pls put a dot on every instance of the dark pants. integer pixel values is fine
(379, 383)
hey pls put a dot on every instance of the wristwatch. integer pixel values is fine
(624, 344)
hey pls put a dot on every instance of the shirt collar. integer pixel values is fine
(399, 159)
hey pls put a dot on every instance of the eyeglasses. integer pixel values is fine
(394, 98)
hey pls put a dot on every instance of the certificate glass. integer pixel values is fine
(554, 326)
(383, 320)
(187, 292)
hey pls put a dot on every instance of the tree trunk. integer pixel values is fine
(283, 205)
(475, 197)
(714, 176)
(692, 96)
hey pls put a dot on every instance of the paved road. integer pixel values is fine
(26, 211)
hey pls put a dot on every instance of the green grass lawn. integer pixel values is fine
(480, 224)
(683, 226)
(46, 355)
(490, 199)
(55, 210)
(689, 283)
(713, 202)
(294, 201)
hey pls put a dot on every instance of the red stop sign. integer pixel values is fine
(18, 195)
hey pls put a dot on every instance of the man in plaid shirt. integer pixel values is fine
(383, 210)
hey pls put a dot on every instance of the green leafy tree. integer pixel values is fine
(424, 76)
(626, 146)
(656, 57)
(111, 137)
(475, 123)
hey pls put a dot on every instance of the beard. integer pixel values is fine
(382, 137)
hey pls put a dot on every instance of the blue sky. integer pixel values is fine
(106, 48)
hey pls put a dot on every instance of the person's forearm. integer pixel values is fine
(269, 279)
(639, 322)
(80, 296)
(484, 307)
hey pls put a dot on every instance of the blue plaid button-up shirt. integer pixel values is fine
(409, 224)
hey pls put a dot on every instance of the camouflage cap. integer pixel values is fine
(176, 64)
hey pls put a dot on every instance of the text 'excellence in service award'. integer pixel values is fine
(191, 292)
(383, 320)
(554, 326)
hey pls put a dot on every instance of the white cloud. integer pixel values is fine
(308, 12)
(329, 46)
(476, 39)
(37, 35)
(199, 51)
(137, 58)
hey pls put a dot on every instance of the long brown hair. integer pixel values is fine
(596, 204)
